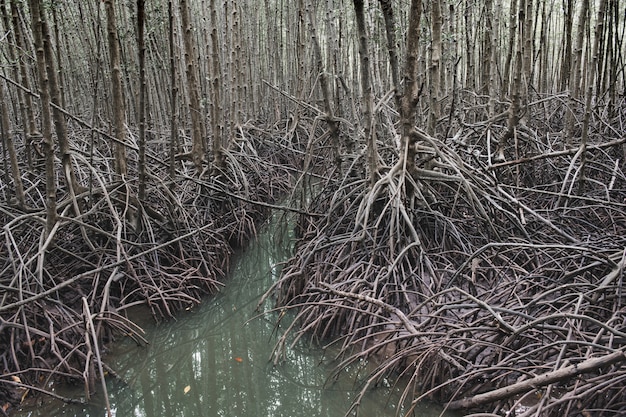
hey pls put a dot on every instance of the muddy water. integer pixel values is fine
(213, 360)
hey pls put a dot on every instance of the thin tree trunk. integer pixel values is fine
(5, 123)
(31, 125)
(514, 107)
(392, 48)
(60, 123)
(411, 93)
(591, 73)
(485, 82)
(527, 47)
(566, 62)
(511, 48)
(490, 52)
(58, 57)
(197, 137)
(574, 76)
(142, 99)
(116, 90)
(46, 118)
(173, 148)
(368, 99)
(435, 65)
(469, 46)
(333, 123)
(217, 110)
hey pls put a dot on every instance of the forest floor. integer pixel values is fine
(65, 295)
(488, 282)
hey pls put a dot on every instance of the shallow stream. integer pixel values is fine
(214, 360)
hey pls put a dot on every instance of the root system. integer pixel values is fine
(483, 283)
(67, 294)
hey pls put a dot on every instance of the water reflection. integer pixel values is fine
(212, 362)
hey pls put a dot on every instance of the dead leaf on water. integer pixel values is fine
(187, 389)
(238, 359)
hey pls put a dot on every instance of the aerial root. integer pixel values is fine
(69, 292)
(483, 285)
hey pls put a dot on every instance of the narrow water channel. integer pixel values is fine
(214, 360)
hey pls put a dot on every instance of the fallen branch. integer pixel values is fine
(539, 381)
(554, 154)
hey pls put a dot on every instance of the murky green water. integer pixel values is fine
(214, 361)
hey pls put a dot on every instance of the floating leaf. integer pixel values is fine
(187, 389)
(238, 359)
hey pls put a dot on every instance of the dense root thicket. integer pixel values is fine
(485, 283)
(65, 295)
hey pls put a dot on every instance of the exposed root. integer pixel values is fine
(483, 287)
(67, 294)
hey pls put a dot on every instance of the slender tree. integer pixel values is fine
(574, 74)
(5, 118)
(591, 73)
(195, 111)
(333, 123)
(60, 124)
(368, 96)
(46, 117)
(141, 46)
(217, 106)
(7, 139)
(116, 90)
(173, 148)
(435, 65)
(568, 18)
(31, 126)
(513, 15)
(410, 96)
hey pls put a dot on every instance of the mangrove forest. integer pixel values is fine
(452, 174)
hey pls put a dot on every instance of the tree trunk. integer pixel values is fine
(5, 122)
(142, 99)
(574, 75)
(591, 73)
(46, 118)
(197, 130)
(511, 47)
(116, 90)
(412, 89)
(31, 125)
(368, 98)
(392, 48)
(217, 110)
(516, 99)
(435, 65)
(568, 5)
(469, 46)
(173, 148)
(60, 123)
